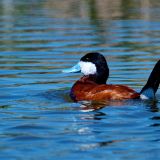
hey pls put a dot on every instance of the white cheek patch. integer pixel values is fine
(87, 68)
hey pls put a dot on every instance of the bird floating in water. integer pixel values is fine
(92, 85)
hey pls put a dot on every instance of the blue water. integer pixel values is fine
(38, 119)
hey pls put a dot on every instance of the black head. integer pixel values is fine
(101, 70)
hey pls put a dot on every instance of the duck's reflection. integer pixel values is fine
(152, 106)
(94, 116)
(87, 106)
(98, 144)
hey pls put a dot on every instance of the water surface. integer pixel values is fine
(38, 119)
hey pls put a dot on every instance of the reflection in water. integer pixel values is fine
(96, 115)
(92, 10)
(95, 105)
(106, 9)
(85, 147)
(97, 25)
(152, 106)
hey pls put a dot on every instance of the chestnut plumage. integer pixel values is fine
(92, 86)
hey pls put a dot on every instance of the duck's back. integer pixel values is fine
(88, 90)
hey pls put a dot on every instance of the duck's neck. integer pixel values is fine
(93, 78)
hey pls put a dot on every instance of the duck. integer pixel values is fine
(92, 85)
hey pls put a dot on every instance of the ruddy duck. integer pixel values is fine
(92, 86)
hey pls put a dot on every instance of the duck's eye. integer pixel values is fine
(87, 59)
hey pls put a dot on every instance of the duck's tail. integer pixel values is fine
(150, 88)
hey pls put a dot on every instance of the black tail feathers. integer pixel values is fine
(151, 87)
